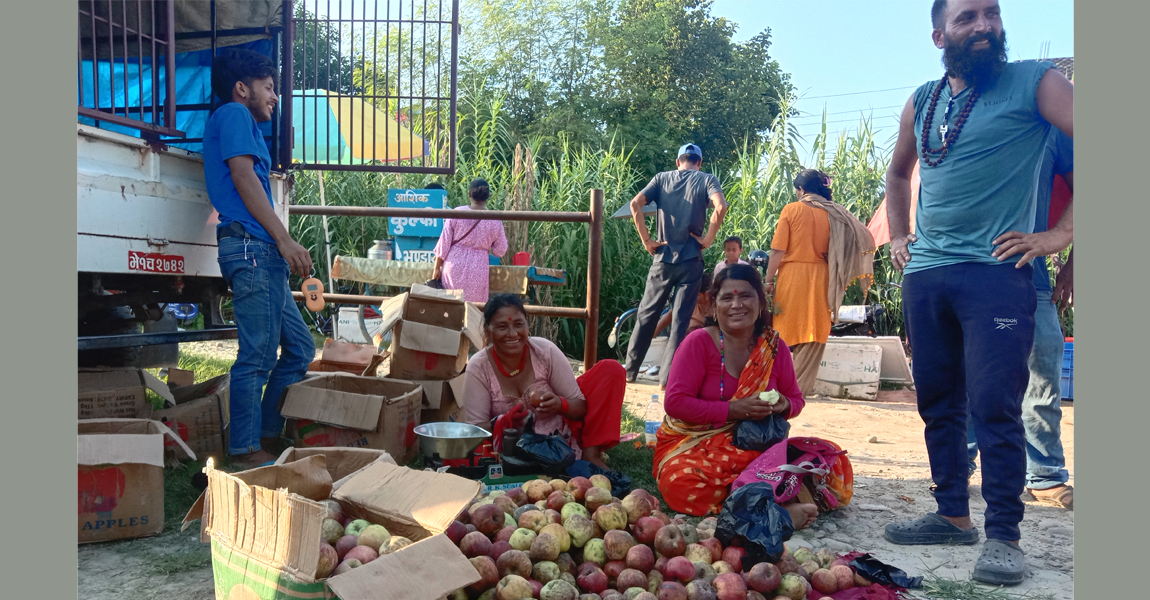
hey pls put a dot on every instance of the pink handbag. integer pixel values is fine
(822, 464)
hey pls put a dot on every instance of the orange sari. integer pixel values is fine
(695, 464)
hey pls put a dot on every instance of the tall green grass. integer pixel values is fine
(757, 188)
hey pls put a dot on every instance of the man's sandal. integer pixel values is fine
(929, 529)
(1001, 563)
(1061, 496)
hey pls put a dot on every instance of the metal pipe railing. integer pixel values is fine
(594, 218)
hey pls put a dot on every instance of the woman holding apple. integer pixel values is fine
(521, 374)
(736, 368)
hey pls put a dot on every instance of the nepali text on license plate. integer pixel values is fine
(155, 263)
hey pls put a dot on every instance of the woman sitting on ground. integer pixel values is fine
(714, 382)
(517, 369)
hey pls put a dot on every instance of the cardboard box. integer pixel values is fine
(849, 371)
(119, 393)
(442, 400)
(200, 417)
(431, 331)
(342, 463)
(180, 378)
(350, 410)
(121, 477)
(344, 357)
(264, 526)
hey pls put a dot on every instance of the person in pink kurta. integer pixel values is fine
(461, 255)
(532, 373)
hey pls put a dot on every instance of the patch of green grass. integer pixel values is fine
(890, 385)
(935, 587)
(179, 493)
(195, 558)
(205, 367)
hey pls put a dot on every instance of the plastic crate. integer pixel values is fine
(1068, 371)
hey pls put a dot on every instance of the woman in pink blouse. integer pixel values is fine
(715, 381)
(461, 253)
(515, 369)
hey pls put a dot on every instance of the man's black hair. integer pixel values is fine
(236, 64)
(694, 159)
(938, 14)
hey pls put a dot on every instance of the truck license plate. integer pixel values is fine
(155, 263)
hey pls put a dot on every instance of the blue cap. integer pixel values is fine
(690, 149)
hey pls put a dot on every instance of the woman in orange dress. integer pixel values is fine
(818, 250)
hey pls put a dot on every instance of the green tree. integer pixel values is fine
(677, 77)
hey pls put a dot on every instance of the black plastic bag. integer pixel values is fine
(761, 434)
(750, 512)
(547, 451)
(620, 482)
(880, 572)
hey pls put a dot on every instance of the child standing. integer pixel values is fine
(733, 252)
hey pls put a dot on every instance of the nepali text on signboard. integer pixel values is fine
(412, 227)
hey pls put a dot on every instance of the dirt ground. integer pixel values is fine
(892, 480)
(892, 477)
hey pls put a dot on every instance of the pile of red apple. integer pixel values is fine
(571, 540)
(347, 543)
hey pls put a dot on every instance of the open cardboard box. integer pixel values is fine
(442, 400)
(432, 331)
(121, 477)
(119, 393)
(338, 409)
(342, 463)
(345, 357)
(200, 417)
(264, 526)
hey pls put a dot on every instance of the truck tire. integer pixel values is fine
(116, 321)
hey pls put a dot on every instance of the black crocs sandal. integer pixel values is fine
(929, 529)
(1001, 563)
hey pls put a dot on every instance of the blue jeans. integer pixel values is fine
(267, 318)
(1042, 404)
(971, 327)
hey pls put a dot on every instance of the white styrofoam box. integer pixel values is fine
(849, 371)
(654, 355)
(895, 367)
(347, 326)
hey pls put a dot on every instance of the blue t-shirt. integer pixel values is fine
(1057, 159)
(232, 131)
(985, 186)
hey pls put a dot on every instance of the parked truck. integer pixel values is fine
(145, 227)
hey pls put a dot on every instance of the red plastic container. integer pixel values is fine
(521, 259)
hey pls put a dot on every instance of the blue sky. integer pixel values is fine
(839, 47)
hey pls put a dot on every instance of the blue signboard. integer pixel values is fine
(415, 249)
(408, 227)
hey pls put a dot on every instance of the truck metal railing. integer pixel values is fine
(106, 34)
(594, 218)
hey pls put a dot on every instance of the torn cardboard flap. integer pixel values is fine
(153, 383)
(431, 568)
(417, 504)
(391, 311)
(423, 291)
(422, 337)
(307, 477)
(317, 400)
(124, 441)
(272, 527)
(342, 463)
(473, 326)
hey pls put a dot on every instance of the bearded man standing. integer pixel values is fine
(979, 133)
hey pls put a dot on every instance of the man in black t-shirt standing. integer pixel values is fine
(682, 197)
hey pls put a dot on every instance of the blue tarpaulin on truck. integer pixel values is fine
(193, 86)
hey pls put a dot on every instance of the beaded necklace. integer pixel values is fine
(948, 137)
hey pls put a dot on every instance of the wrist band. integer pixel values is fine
(565, 406)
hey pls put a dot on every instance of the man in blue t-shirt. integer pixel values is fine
(978, 134)
(1046, 474)
(256, 254)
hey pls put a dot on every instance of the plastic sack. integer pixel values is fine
(750, 512)
(761, 434)
(880, 572)
(549, 452)
(620, 482)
